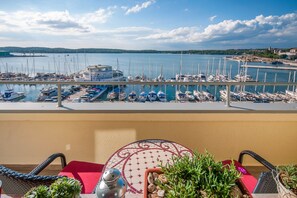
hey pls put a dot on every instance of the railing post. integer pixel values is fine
(228, 95)
(59, 95)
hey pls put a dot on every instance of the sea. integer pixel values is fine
(141, 63)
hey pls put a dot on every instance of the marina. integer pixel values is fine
(184, 68)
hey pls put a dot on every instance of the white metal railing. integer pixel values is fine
(150, 83)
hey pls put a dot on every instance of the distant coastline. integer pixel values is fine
(106, 50)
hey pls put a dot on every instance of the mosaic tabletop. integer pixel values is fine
(133, 159)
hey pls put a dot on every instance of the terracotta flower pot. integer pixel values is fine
(150, 170)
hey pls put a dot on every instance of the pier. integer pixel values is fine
(269, 67)
(98, 94)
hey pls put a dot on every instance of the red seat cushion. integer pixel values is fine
(247, 179)
(86, 172)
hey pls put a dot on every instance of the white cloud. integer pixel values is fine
(54, 22)
(100, 16)
(179, 34)
(139, 7)
(212, 18)
(260, 30)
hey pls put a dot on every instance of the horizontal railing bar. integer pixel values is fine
(148, 83)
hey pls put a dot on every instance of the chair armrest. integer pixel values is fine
(256, 157)
(47, 162)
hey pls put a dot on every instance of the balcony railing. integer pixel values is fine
(177, 85)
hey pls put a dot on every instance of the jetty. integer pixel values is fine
(103, 90)
(269, 67)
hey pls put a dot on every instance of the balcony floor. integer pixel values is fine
(149, 107)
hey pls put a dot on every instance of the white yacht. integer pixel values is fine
(199, 96)
(122, 96)
(152, 96)
(10, 95)
(189, 96)
(161, 96)
(112, 95)
(132, 96)
(47, 93)
(208, 96)
(180, 96)
(142, 97)
(99, 73)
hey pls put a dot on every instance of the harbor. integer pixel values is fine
(186, 69)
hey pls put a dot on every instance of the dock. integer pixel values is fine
(98, 94)
(269, 67)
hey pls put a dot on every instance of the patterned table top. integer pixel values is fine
(133, 159)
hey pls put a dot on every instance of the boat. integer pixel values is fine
(112, 95)
(198, 95)
(208, 96)
(47, 93)
(244, 78)
(132, 96)
(180, 96)
(152, 96)
(142, 97)
(97, 73)
(189, 96)
(161, 96)
(10, 95)
(122, 96)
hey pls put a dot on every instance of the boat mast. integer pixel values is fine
(265, 75)
(275, 76)
(257, 75)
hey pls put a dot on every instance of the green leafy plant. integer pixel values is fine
(198, 176)
(65, 188)
(62, 188)
(288, 177)
(38, 192)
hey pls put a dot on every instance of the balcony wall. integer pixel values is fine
(28, 138)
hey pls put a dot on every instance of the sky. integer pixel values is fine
(149, 24)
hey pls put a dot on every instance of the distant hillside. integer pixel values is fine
(104, 50)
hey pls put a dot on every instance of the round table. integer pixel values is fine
(133, 159)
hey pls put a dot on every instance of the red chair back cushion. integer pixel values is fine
(86, 172)
(247, 179)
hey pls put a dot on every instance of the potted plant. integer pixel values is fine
(39, 191)
(66, 188)
(196, 176)
(62, 188)
(287, 181)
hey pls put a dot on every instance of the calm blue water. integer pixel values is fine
(149, 64)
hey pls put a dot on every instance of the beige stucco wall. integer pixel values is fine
(30, 138)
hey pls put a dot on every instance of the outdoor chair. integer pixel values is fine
(16, 183)
(86, 172)
(265, 183)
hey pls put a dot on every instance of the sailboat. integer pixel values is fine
(161, 96)
(113, 94)
(122, 96)
(142, 97)
(132, 96)
(130, 77)
(152, 96)
(180, 96)
(189, 96)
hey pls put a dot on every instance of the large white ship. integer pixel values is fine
(99, 73)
